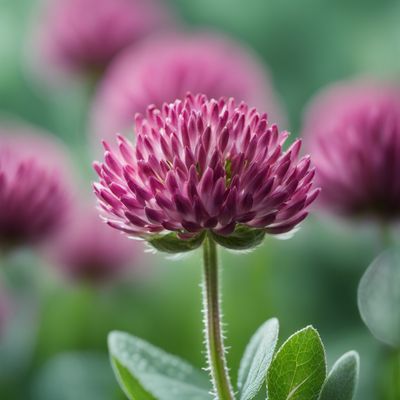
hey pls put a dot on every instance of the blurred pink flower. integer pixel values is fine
(353, 131)
(88, 250)
(164, 69)
(34, 197)
(85, 35)
(202, 164)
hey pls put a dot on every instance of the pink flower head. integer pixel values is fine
(204, 165)
(354, 136)
(85, 35)
(33, 192)
(88, 250)
(165, 69)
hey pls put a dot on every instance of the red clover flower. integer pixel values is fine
(200, 166)
(354, 136)
(164, 69)
(85, 35)
(33, 187)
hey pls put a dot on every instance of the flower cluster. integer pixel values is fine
(85, 35)
(353, 131)
(164, 69)
(204, 165)
(33, 193)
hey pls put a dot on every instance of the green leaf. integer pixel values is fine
(342, 380)
(243, 238)
(171, 243)
(257, 359)
(129, 384)
(146, 372)
(379, 297)
(298, 370)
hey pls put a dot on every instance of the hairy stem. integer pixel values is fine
(213, 325)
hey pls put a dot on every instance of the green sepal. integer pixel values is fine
(171, 243)
(243, 238)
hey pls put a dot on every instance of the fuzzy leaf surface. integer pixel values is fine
(128, 383)
(342, 380)
(146, 372)
(257, 358)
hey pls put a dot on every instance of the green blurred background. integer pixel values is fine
(60, 350)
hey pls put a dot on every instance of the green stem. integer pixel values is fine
(213, 325)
